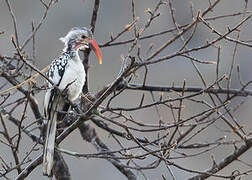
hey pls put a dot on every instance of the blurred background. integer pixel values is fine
(113, 15)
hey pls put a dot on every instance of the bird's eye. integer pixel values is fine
(83, 36)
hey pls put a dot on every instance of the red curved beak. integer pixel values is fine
(93, 45)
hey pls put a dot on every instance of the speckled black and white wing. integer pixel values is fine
(55, 74)
(57, 69)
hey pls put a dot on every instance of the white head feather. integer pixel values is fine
(74, 34)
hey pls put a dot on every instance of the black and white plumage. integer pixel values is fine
(68, 74)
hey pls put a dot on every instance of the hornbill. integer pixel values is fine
(68, 75)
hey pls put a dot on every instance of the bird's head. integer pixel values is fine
(81, 38)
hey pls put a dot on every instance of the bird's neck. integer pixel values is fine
(73, 53)
(69, 48)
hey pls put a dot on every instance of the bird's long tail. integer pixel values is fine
(49, 146)
(50, 134)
